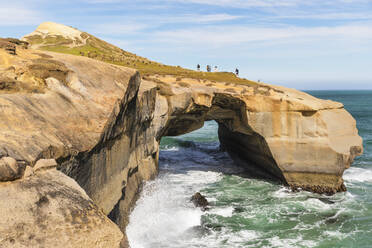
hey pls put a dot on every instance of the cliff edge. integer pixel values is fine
(101, 124)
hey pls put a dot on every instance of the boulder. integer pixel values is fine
(10, 170)
(200, 201)
(49, 209)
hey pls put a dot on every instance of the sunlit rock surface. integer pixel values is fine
(102, 124)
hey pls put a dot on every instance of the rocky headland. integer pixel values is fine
(79, 136)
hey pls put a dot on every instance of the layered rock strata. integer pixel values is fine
(46, 208)
(102, 124)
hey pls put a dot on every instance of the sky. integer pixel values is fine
(303, 44)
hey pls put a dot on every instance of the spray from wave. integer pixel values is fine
(244, 212)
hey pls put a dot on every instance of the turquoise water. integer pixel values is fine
(250, 212)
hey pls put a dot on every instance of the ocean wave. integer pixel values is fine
(284, 192)
(276, 242)
(243, 236)
(317, 204)
(169, 209)
(359, 175)
(174, 142)
(197, 178)
(224, 212)
(170, 148)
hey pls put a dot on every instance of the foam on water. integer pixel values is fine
(249, 212)
(170, 148)
(225, 212)
(277, 242)
(355, 174)
(162, 213)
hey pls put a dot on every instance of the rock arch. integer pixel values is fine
(103, 126)
(274, 132)
(247, 148)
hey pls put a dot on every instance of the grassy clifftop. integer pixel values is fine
(84, 44)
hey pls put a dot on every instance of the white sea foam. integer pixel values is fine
(336, 234)
(356, 174)
(225, 212)
(196, 178)
(316, 204)
(223, 239)
(290, 243)
(283, 192)
(243, 236)
(165, 218)
(170, 148)
(172, 214)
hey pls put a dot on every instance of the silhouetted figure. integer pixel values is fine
(208, 68)
(198, 67)
(237, 72)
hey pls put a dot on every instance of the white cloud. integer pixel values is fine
(131, 26)
(273, 3)
(118, 29)
(203, 18)
(328, 16)
(12, 14)
(18, 16)
(246, 3)
(228, 35)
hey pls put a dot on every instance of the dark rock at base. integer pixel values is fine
(239, 210)
(200, 201)
(319, 189)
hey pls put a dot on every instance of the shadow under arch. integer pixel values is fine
(247, 148)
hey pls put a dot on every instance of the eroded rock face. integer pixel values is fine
(10, 170)
(49, 209)
(272, 131)
(102, 125)
(73, 119)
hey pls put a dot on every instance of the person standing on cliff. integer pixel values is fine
(215, 69)
(198, 67)
(237, 72)
(208, 68)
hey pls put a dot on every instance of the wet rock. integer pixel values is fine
(239, 210)
(200, 201)
(320, 189)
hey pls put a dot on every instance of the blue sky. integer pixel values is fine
(319, 44)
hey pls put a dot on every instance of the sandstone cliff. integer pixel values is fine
(102, 124)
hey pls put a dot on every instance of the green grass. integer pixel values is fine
(103, 51)
(74, 51)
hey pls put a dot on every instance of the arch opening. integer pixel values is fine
(247, 148)
(190, 163)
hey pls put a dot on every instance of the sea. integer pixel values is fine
(248, 212)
